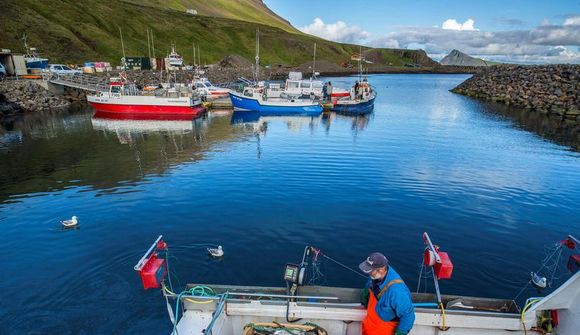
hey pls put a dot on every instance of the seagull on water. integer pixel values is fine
(216, 252)
(70, 223)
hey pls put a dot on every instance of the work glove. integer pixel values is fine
(400, 332)
(364, 297)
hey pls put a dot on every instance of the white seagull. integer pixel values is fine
(70, 223)
(216, 252)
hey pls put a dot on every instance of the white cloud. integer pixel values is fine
(339, 31)
(547, 43)
(573, 20)
(452, 24)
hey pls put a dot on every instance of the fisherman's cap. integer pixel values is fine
(376, 260)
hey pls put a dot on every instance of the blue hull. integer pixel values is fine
(241, 103)
(362, 108)
(37, 64)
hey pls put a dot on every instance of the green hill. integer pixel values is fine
(73, 32)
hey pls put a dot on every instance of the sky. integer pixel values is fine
(516, 31)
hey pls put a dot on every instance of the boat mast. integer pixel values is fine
(194, 65)
(148, 44)
(152, 44)
(314, 63)
(199, 54)
(257, 69)
(360, 64)
(122, 47)
(26, 44)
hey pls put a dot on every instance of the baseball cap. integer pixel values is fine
(376, 260)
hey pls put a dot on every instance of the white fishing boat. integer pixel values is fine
(296, 86)
(207, 90)
(299, 308)
(174, 59)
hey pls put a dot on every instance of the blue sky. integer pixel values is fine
(511, 30)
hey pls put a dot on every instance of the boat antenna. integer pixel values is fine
(257, 70)
(314, 63)
(199, 54)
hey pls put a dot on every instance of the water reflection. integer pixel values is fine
(76, 149)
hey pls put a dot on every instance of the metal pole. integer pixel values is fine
(574, 239)
(436, 285)
(141, 262)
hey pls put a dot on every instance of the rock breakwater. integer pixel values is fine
(547, 89)
(18, 96)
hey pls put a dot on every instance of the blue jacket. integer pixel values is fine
(396, 302)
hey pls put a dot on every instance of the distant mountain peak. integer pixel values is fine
(458, 58)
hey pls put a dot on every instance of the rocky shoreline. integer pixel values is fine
(548, 89)
(23, 96)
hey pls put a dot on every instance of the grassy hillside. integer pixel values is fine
(67, 31)
(243, 10)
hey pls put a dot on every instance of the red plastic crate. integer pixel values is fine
(444, 269)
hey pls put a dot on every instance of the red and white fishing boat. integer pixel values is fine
(125, 98)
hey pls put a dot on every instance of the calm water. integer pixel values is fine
(489, 193)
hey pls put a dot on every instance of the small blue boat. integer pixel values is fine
(252, 99)
(361, 101)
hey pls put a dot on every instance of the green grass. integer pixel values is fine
(73, 32)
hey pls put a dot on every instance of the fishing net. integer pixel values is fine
(275, 328)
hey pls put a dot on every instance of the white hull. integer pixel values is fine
(344, 316)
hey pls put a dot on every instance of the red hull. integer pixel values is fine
(340, 95)
(145, 117)
(194, 111)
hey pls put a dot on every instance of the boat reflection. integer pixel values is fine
(359, 122)
(259, 122)
(133, 128)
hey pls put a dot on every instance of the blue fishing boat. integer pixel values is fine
(271, 98)
(257, 100)
(32, 59)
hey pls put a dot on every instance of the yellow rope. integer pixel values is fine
(189, 299)
(443, 327)
(530, 303)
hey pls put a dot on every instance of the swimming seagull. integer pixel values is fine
(216, 252)
(70, 223)
(538, 281)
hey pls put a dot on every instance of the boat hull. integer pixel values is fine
(273, 107)
(37, 64)
(134, 105)
(354, 108)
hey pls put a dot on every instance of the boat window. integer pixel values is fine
(66, 68)
(115, 89)
(199, 85)
(316, 85)
(292, 84)
(305, 84)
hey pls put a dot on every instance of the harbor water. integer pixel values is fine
(492, 194)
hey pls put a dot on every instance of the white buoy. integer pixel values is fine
(73, 222)
(216, 252)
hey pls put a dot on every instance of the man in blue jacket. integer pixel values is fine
(390, 308)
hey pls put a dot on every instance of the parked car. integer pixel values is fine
(62, 69)
(2, 71)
